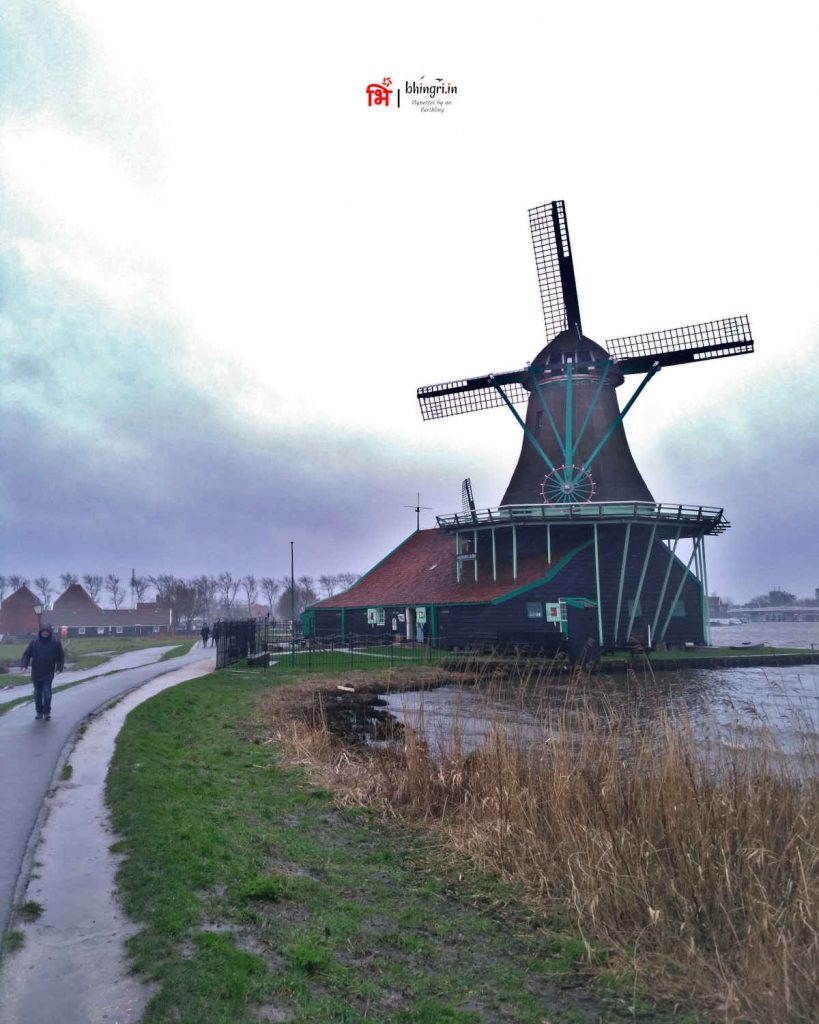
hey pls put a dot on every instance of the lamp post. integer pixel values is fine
(38, 611)
(292, 607)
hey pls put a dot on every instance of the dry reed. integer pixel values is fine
(697, 862)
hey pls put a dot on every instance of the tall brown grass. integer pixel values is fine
(698, 862)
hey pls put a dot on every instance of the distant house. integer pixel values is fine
(144, 620)
(17, 615)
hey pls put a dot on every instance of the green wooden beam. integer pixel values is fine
(587, 463)
(526, 430)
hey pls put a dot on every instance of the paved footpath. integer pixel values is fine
(30, 751)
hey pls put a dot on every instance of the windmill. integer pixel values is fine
(575, 449)
(575, 465)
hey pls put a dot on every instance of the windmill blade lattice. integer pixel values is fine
(471, 395)
(555, 268)
(712, 340)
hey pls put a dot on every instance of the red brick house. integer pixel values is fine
(17, 615)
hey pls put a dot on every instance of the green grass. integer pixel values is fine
(29, 911)
(261, 899)
(14, 940)
(183, 647)
(67, 772)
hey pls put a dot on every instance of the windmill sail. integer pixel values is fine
(471, 395)
(711, 340)
(555, 268)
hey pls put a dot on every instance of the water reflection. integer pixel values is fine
(725, 706)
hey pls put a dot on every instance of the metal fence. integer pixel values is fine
(267, 644)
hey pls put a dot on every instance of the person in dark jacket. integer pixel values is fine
(205, 634)
(45, 655)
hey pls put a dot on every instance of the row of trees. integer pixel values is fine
(205, 596)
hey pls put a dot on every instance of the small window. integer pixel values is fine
(639, 609)
(156, 629)
(534, 609)
(119, 629)
(100, 630)
(679, 610)
(81, 631)
(538, 420)
(380, 617)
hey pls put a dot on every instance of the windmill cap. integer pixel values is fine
(582, 351)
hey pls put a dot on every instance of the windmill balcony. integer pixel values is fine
(689, 520)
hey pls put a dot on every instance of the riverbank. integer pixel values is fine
(710, 658)
(262, 898)
(694, 857)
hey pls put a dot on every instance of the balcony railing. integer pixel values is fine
(692, 519)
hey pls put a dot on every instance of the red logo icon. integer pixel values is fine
(379, 94)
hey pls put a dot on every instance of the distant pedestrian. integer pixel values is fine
(45, 655)
(217, 632)
(205, 634)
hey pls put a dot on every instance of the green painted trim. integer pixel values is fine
(564, 561)
(525, 429)
(546, 409)
(343, 625)
(433, 623)
(591, 408)
(587, 462)
(568, 450)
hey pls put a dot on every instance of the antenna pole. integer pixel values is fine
(418, 508)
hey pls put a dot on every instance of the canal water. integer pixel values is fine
(725, 705)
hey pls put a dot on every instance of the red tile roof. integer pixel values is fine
(75, 598)
(421, 570)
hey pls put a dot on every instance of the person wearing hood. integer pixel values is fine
(45, 655)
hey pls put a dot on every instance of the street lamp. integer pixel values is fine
(38, 611)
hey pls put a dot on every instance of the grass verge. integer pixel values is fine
(262, 899)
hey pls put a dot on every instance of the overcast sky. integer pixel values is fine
(224, 276)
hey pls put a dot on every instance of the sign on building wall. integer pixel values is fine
(372, 616)
(553, 611)
(421, 616)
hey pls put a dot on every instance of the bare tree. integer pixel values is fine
(329, 584)
(228, 588)
(114, 589)
(163, 584)
(93, 584)
(186, 602)
(347, 579)
(251, 589)
(44, 588)
(296, 598)
(3, 584)
(206, 589)
(139, 585)
(270, 589)
(15, 582)
(68, 579)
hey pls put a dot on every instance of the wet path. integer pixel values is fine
(30, 751)
(73, 965)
